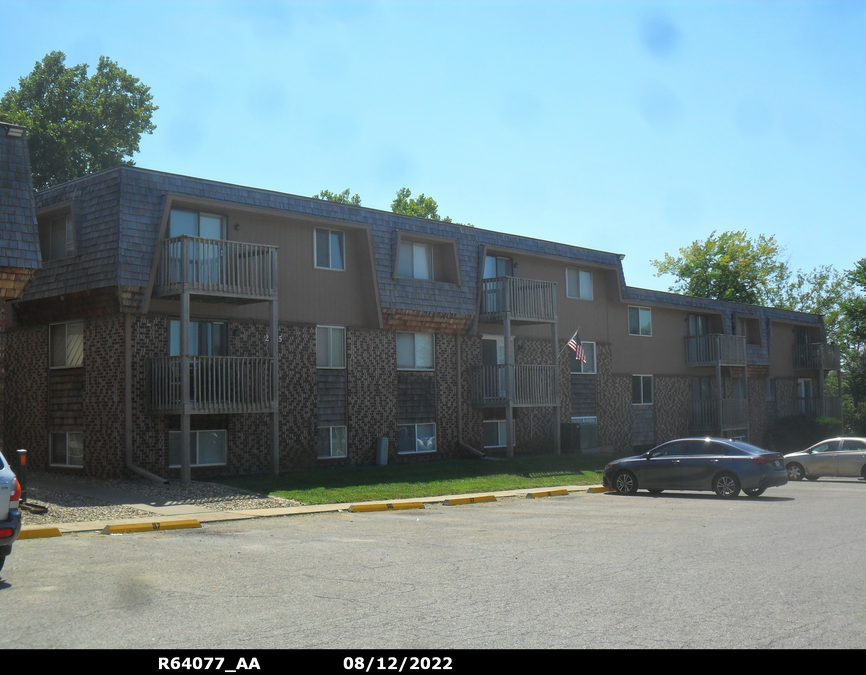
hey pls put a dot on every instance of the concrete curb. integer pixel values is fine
(206, 516)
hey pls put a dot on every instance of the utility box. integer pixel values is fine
(382, 451)
(569, 436)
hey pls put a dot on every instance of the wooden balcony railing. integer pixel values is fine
(815, 406)
(705, 414)
(708, 350)
(816, 356)
(216, 267)
(217, 384)
(521, 299)
(533, 386)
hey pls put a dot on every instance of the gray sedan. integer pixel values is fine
(833, 457)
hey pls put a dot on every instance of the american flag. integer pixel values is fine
(575, 344)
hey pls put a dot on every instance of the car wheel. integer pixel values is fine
(726, 486)
(625, 483)
(655, 491)
(755, 492)
(2, 560)
(795, 471)
(863, 472)
(812, 478)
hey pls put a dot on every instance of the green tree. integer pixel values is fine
(339, 197)
(854, 352)
(420, 206)
(821, 291)
(729, 266)
(78, 124)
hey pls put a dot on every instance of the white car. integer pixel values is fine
(10, 516)
(833, 457)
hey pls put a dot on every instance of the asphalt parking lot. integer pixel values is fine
(676, 570)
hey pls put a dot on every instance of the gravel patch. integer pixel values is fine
(68, 507)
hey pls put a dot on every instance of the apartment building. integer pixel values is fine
(185, 327)
(19, 246)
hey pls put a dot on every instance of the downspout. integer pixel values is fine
(460, 443)
(127, 386)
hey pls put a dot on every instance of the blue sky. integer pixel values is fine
(631, 127)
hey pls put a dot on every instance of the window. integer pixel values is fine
(579, 367)
(332, 442)
(415, 351)
(578, 283)
(416, 261)
(494, 433)
(67, 344)
(330, 347)
(330, 250)
(497, 266)
(67, 448)
(702, 388)
(640, 321)
(206, 448)
(206, 338)
(194, 224)
(413, 438)
(698, 325)
(641, 389)
(61, 238)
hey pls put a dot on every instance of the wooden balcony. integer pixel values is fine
(815, 406)
(816, 356)
(534, 386)
(217, 384)
(705, 415)
(216, 267)
(525, 300)
(709, 350)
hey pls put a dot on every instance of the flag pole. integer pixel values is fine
(566, 344)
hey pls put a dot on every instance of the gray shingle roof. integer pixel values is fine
(118, 214)
(19, 241)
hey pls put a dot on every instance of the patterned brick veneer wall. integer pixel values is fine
(533, 427)
(446, 397)
(615, 418)
(298, 382)
(757, 412)
(672, 398)
(786, 397)
(103, 396)
(372, 360)
(149, 432)
(472, 418)
(27, 392)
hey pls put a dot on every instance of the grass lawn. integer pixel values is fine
(428, 479)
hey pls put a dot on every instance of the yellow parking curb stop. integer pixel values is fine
(546, 493)
(41, 533)
(469, 500)
(151, 527)
(357, 508)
